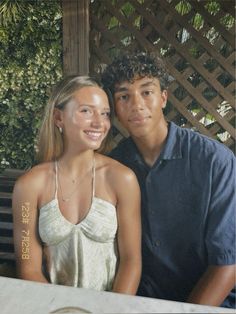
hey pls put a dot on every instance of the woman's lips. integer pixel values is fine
(94, 135)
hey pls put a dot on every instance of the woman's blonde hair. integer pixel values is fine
(50, 141)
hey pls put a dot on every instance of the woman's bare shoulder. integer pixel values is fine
(116, 170)
(35, 176)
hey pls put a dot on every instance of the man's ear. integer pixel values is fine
(58, 118)
(164, 96)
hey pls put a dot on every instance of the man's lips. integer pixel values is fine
(138, 119)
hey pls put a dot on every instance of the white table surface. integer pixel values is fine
(27, 297)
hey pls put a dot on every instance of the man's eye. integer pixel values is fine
(147, 92)
(123, 97)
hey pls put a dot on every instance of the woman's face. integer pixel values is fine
(86, 119)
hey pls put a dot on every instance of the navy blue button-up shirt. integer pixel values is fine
(188, 211)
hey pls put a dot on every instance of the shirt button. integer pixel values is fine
(157, 243)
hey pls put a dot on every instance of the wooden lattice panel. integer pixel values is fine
(196, 38)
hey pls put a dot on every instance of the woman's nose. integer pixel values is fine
(97, 120)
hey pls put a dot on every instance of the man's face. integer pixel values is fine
(139, 106)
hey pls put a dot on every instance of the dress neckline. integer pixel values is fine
(93, 199)
(90, 210)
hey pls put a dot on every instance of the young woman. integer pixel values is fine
(77, 213)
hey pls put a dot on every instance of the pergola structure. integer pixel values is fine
(200, 56)
(75, 36)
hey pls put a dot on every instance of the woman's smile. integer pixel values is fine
(94, 135)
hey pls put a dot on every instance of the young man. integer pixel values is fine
(188, 190)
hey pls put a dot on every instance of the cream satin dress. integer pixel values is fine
(82, 255)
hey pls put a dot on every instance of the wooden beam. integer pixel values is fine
(75, 37)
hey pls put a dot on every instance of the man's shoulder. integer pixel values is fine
(203, 146)
(123, 150)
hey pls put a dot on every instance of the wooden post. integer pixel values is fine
(75, 37)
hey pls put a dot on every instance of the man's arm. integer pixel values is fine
(220, 276)
(214, 286)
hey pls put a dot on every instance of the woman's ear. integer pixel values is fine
(164, 96)
(58, 118)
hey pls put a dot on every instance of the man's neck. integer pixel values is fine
(151, 145)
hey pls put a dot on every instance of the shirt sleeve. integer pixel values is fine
(220, 234)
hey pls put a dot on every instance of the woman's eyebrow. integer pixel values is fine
(92, 106)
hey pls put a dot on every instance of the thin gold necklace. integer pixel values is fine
(73, 180)
(67, 199)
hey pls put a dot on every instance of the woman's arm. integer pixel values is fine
(129, 233)
(28, 249)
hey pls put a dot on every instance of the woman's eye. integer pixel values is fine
(107, 114)
(85, 110)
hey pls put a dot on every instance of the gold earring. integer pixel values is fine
(60, 129)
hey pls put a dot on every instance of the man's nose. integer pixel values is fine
(136, 102)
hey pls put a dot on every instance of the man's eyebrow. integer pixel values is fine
(120, 89)
(148, 84)
(125, 89)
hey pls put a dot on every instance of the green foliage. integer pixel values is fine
(30, 63)
(183, 7)
(213, 7)
(11, 11)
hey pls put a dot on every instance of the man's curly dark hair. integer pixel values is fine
(130, 66)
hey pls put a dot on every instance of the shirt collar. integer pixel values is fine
(134, 153)
(171, 150)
